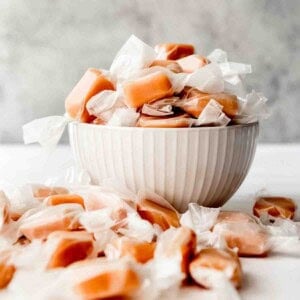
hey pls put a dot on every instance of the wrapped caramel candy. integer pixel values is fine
(211, 259)
(275, 206)
(64, 199)
(177, 121)
(68, 247)
(174, 51)
(6, 274)
(195, 101)
(139, 250)
(158, 214)
(191, 63)
(169, 64)
(41, 223)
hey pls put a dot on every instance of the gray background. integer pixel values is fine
(46, 45)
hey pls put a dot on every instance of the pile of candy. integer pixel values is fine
(90, 242)
(168, 86)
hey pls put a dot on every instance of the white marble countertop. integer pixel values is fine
(276, 168)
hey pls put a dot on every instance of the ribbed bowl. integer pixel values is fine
(204, 165)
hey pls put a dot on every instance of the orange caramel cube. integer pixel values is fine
(139, 250)
(275, 206)
(219, 260)
(92, 83)
(6, 274)
(43, 191)
(174, 51)
(195, 101)
(157, 214)
(178, 121)
(70, 247)
(169, 64)
(176, 241)
(193, 62)
(52, 218)
(106, 280)
(63, 199)
(146, 89)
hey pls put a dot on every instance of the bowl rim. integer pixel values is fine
(148, 129)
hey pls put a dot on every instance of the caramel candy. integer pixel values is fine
(219, 260)
(139, 250)
(275, 207)
(6, 274)
(43, 191)
(146, 89)
(176, 241)
(169, 64)
(106, 280)
(60, 217)
(92, 83)
(191, 63)
(249, 238)
(69, 247)
(195, 101)
(174, 51)
(157, 214)
(177, 121)
(234, 217)
(64, 199)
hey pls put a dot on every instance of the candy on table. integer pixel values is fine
(64, 199)
(4, 210)
(169, 64)
(41, 223)
(176, 121)
(208, 260)
(42, 191)
(275, 206)
(140, 251)
(146, 89)
(163, 216)
(6, 274)
(92, 82)
(194, 101)
(100, 278)
(68, 247)
(174, 51)
(193, 62)
(240, 230)
(176, 242)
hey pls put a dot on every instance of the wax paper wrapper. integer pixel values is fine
(45, 131)
(134, 55)
(212, 115)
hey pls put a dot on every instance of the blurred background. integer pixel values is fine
(45, 47)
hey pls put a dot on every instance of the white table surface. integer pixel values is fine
(276, 168)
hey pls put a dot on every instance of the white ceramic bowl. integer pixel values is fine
(204, 165)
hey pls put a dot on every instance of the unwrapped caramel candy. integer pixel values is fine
(92, 83)
(174, 51)
(275, 206)
(146, 89)
(158, 214)
(219, 260)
